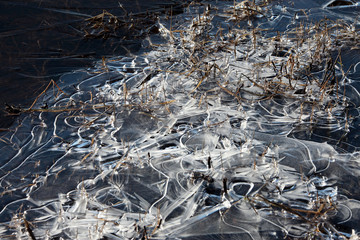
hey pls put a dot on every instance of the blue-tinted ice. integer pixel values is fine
(225, 128)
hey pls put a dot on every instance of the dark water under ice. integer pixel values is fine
(175, 139)
(41, 40)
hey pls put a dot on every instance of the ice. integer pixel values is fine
(224, 129)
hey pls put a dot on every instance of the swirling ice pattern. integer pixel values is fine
(213, 133)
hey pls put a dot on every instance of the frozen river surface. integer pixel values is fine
(237, 121)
